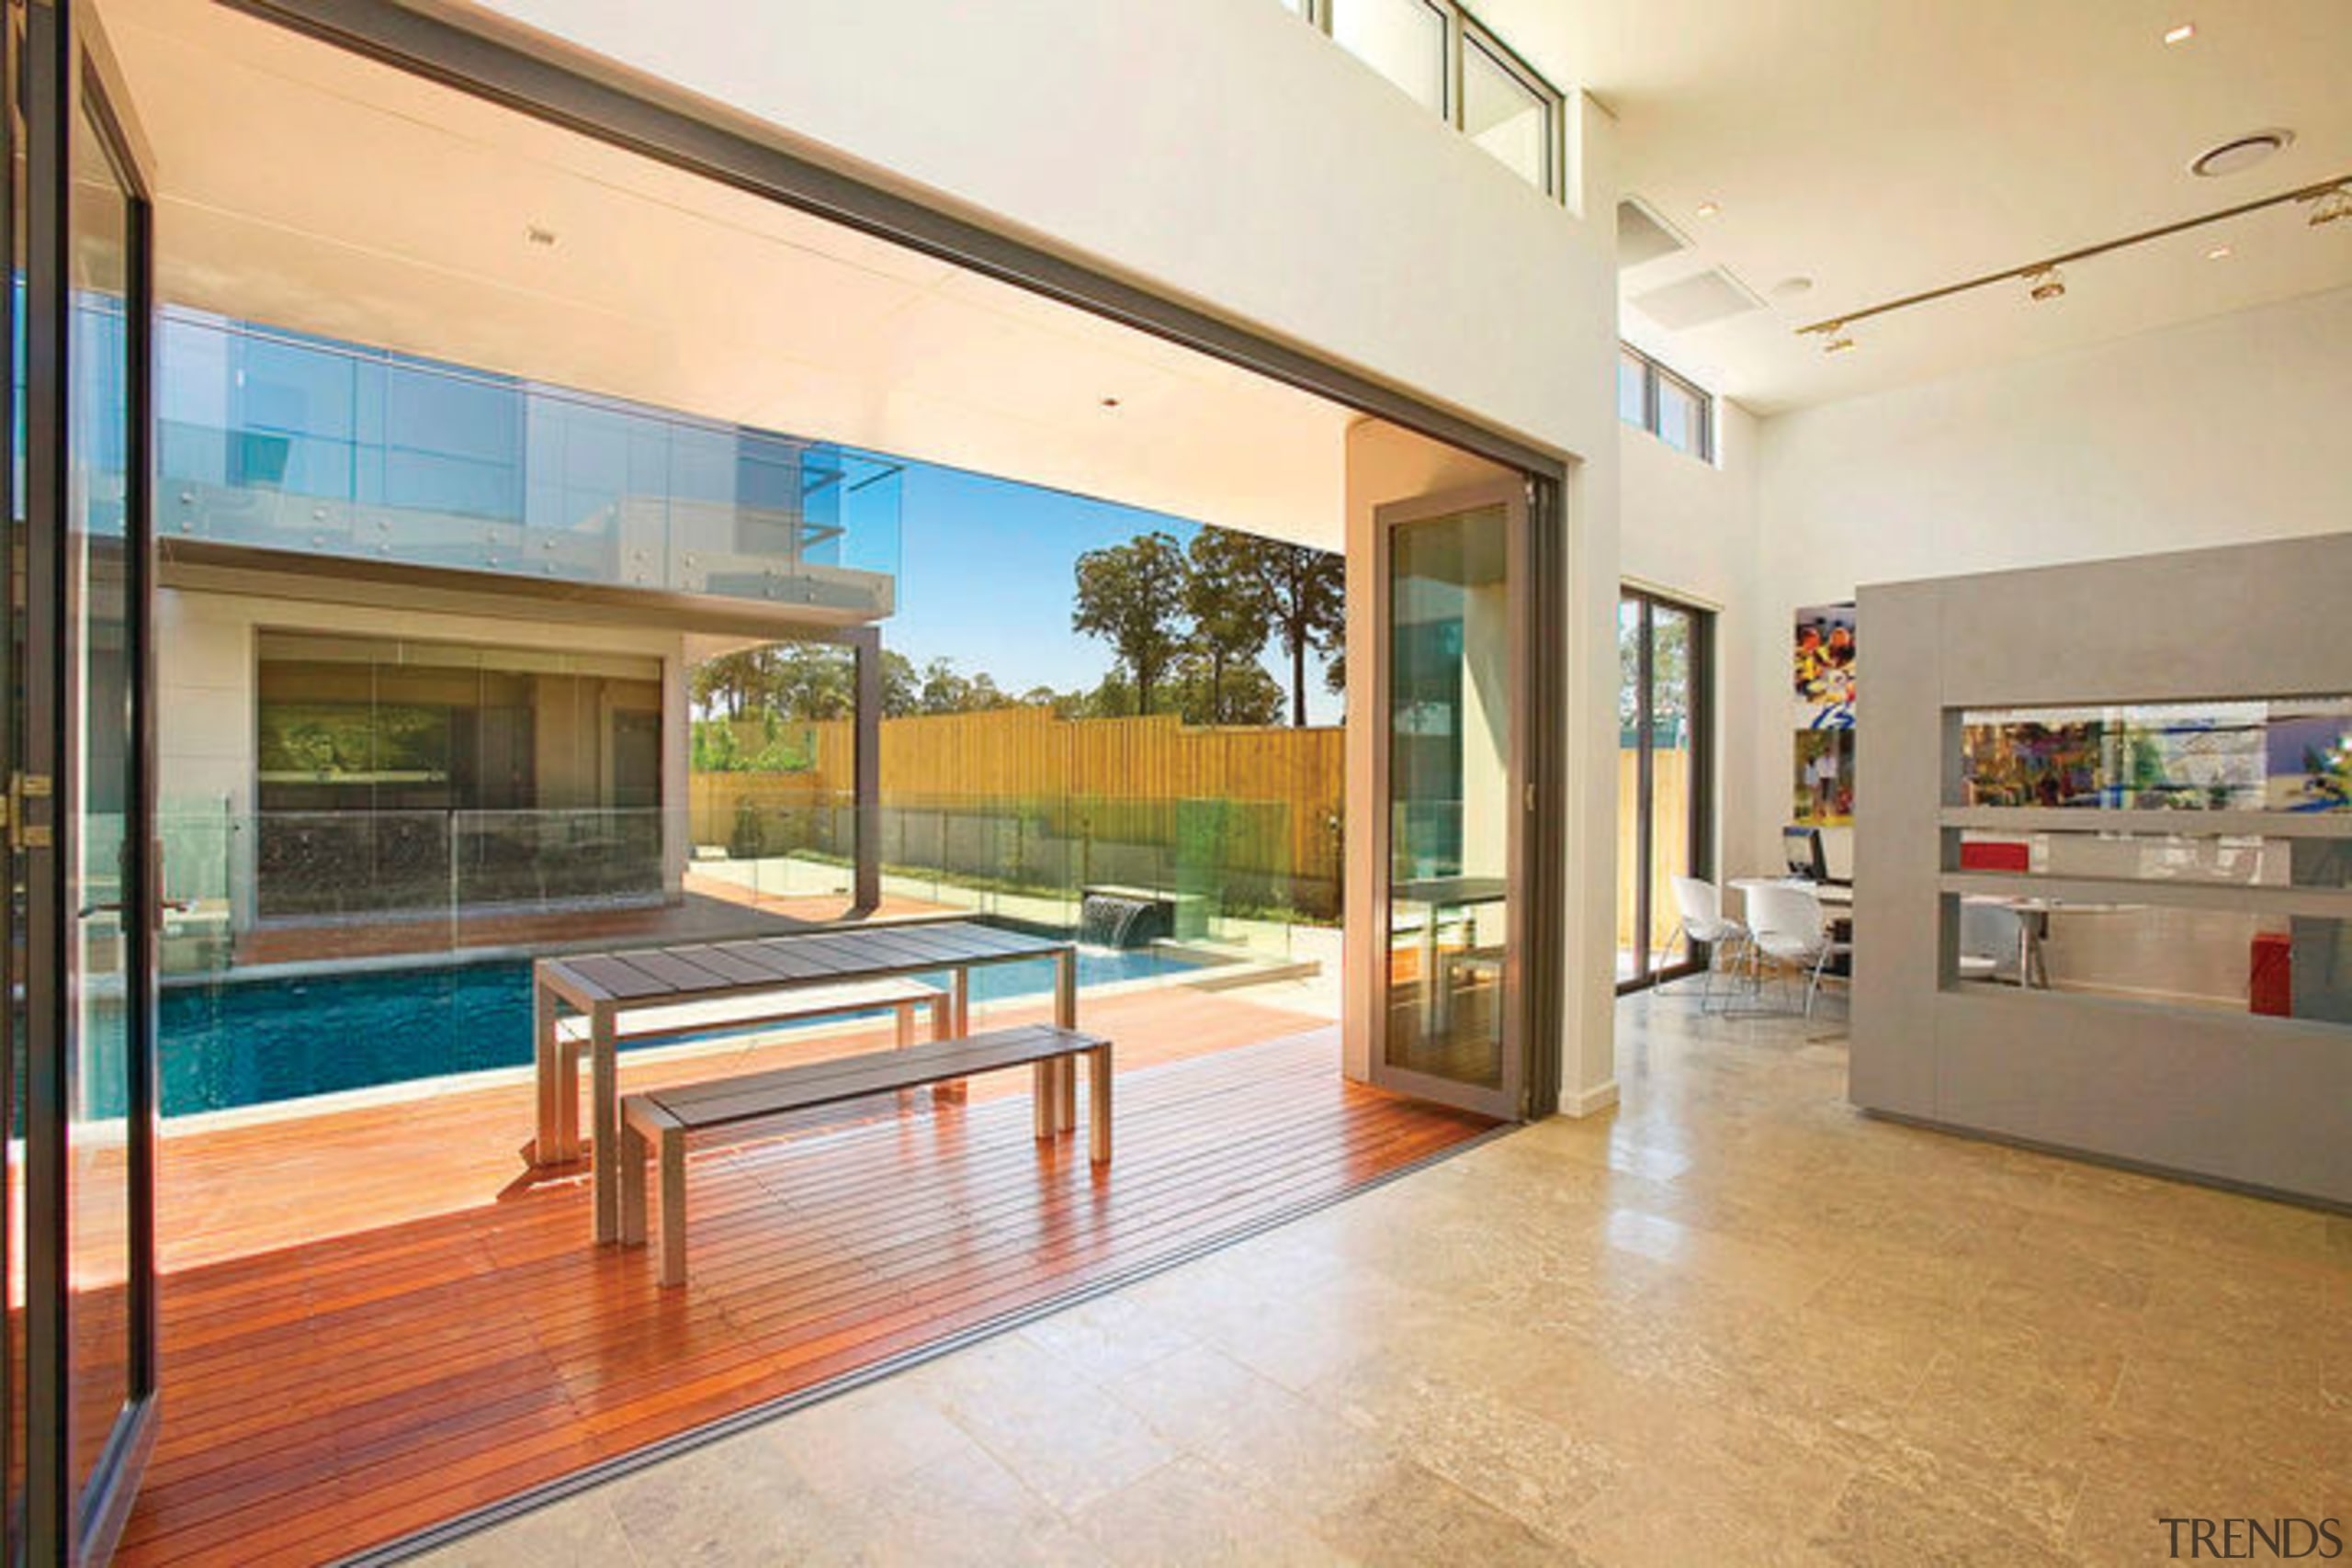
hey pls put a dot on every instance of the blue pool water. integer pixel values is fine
(247, 1041)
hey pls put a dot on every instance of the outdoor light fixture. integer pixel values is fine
(2330, 200)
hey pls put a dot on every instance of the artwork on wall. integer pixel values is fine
(1822, 671)
(2280, 755)
(1824, 668)
(2196, 759)
(1825, 792)
(2309, 757)
(2054, 763)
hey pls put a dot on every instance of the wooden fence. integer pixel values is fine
(1115, 788)
(1263, 806)
(1671, 781)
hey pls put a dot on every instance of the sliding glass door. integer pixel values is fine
(1665, 659)
(80, 815)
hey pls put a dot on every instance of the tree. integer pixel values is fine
(1241, 694)
(1232, 607)
(737, 683)
(1132, 596)
(1308, 589)
(901, 691)
(808, 682)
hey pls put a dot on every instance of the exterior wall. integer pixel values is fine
(2223, 431)
(207, 721)
(1293, 191)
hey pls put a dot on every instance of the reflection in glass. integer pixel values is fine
(1402, 40)
(1449, 793)
(1502, 114)
(100, 643)
(2292, 755)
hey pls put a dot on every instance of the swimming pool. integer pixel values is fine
(247, 1041)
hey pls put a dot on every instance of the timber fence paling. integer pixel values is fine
(1265, 801)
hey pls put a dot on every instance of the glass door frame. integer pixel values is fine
(1530, 964)
(1700, 790)
(68, 77)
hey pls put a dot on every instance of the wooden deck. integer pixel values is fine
(373, 1321)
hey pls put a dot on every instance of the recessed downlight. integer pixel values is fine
(2220, 253)
(2182, 33)
(2240, 152)
(1789, 287)
(1707, 209)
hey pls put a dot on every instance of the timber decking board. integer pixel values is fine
(339, 1373)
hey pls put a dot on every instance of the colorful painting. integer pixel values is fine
(2010, 763)
(1825, 781)
(2309, 760)
(2196, 760)
(1824, 668)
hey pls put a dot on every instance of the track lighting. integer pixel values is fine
(2329, 200)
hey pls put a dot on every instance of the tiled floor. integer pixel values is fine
(1734, 1323)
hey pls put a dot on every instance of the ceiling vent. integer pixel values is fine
(1643, 235)
(1696, 300)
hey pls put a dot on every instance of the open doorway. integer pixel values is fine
(437, 566)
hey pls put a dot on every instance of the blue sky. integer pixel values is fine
(985, 575)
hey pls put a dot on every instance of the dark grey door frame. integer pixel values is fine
(68, 76)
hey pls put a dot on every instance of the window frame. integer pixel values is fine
(1655, 373)
(1465, 31)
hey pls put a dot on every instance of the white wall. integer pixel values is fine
(2223, 431)
(1223, 154)
(1688, 530)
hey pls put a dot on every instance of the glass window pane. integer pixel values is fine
(1402, 40)
(1506, 116)
(1449, 800)
(1671, 801)
(1631, 404)
(1629, 787)
(1678, 416)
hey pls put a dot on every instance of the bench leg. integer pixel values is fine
(1041, 1095)
(906, 1035)
(546, 1059)
(673, 1206)
(1098, 1107)
(1065, 1098)
(633, 1193)
(955, 1091)
(604, 1086)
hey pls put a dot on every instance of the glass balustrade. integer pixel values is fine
(275, 440)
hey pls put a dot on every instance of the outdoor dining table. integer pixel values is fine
(605, 985)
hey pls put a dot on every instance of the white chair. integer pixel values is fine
(1701, 908)
(1787, 925)
(1991, 938)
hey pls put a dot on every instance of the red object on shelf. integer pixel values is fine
(1995, 857)
(2271, 988)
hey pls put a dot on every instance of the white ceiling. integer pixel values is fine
(304, 186)
(1884, 147)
